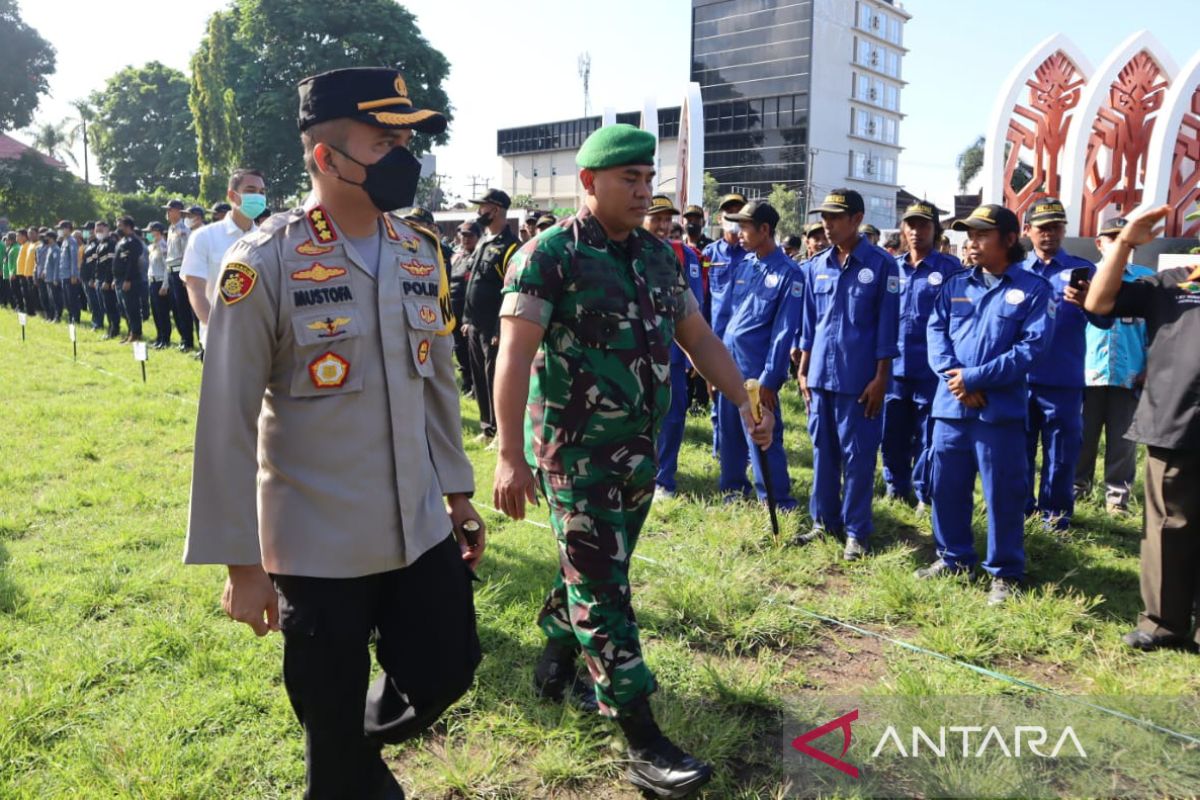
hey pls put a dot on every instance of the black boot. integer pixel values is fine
(556, 671)
(655, 764)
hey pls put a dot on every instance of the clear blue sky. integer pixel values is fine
(515, 63)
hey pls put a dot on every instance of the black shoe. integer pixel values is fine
(556, 672)
(815, 534)
(1138, 639)
(666, 771)
(656, 765)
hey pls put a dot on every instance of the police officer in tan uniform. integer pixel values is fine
(329, 470)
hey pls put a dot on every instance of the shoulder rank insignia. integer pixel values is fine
(329, 371)
(318, 273)
(307, 248)
(330, 327)
(237, 281)
(322, 228)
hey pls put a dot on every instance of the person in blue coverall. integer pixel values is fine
(907, 426)
(1056, 384)
(670, 438)
(759, 337)
(989, 327)
(726, 286)
(848, 335)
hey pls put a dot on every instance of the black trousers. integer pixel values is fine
(483, 375)
(73, 297)
(133, 308)
(112, 310)
(29, 288)
(422, 619)
(181, 307)
(55, 290)
(462, 354)
(94, 305)
(1171, 543)
(160, 309)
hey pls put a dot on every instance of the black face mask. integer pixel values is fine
(694, 229)
(483, 220)
(391, 182)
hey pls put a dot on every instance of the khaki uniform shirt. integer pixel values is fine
(329, 426)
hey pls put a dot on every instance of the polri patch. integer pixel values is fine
(237, 281)
(329, 371)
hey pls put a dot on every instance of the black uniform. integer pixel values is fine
(106, 292)
(127, 268)
(459, 272)
(482, 313)
(1167, 421)
(87, 276)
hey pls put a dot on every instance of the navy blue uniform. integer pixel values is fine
(849, 323)
(1056, 396)
(759, 337)
(726, 288)
(670, 438)
(907, 426)
(995, 334)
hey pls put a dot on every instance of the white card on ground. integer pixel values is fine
(139, 351)
(71, 331)
(21, 318)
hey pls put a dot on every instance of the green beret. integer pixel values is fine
(616, 146)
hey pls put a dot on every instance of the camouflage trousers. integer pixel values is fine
(597, 521)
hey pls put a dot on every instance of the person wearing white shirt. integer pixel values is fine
(206, 246)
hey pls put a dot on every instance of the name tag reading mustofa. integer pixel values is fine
(317, 297)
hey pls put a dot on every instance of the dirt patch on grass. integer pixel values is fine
(841, 662)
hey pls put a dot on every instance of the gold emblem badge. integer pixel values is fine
(310, 249)
(332, 327)
(329, 371)
(318, 273)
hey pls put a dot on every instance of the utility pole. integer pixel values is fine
(808, 168)
(476, 181)
(585, 74)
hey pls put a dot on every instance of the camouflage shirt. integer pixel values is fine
(600, 383)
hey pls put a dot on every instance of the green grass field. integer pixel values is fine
(121, 677)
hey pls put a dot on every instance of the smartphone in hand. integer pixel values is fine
(1080, 276)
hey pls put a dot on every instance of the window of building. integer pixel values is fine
(895, 33)
(891, 98)
(872, 167)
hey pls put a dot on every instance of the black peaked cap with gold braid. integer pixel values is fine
(374, 95)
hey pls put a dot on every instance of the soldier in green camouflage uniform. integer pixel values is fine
(589, 317)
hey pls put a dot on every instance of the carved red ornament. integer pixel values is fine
(1115, 164)
(1037, 133)
(1183, 191)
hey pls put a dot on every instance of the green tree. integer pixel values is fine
(53, 139)
(712, 194)
(970, 162)
(787, 203)
(34, 193)
(214, 105)
(144, 136)
(26, 63)
(523, 201)
(79, 130)
(260, 49)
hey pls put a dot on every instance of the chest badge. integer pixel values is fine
(318, 273)
(865, 275)
(1014, 297)
(419, 269)
(329, 371)
(308, 248)
(330, 327)
(772, 280)
(935, 279)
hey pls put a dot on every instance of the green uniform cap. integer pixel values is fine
(616, 146)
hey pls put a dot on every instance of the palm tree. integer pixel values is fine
(53, 140)
(79, 130)
(970, 162)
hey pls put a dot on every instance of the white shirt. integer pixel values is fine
(205, 250)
